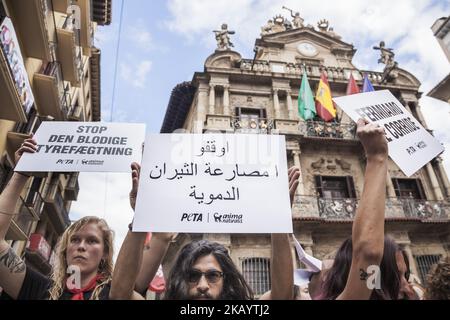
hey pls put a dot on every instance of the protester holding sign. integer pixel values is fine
(85, 250)
(368, 226)
(203, 269)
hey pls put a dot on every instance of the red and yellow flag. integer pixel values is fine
(324, 104)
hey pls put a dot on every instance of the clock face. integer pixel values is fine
(307, 49)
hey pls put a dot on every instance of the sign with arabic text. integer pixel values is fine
(213, 183)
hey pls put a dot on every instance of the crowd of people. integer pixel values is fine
(368, 265)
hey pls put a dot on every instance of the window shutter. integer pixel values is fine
(396, 187)
(420, 188)
(351, 187)
(319, 185)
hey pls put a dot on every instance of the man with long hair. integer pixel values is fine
(203, 269)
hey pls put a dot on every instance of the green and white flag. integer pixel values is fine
(306, 104)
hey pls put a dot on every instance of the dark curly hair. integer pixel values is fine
(234, 285)
(438, 281)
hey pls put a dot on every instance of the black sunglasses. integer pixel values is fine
(212, 276)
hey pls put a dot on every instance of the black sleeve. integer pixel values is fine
(104, 294)
(35, 286)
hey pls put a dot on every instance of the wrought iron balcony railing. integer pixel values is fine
(337, 209)
(424, 209)
(328, 129)
(252, 125)
(345, 209)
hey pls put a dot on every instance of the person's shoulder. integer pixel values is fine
(35, 286)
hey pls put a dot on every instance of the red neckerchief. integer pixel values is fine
(78, 293)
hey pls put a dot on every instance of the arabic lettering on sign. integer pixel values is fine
(210, 147)
(192, 170)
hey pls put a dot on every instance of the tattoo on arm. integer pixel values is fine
(363, 275)
(12, 261)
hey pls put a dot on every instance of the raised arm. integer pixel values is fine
(368, 226)
(282, 268)
(130, 256)
(12, 268)
(154, 254)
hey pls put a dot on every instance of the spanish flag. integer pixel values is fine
(324, 104)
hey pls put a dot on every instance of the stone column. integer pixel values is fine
(390, 186)
(212, 98)
(301, 186)
(202, 100)
(226, 100)
(443, 175)
(434, 182)
(290, 106)
(308, 249)
(412, 261)
(276, 104)
(420, 116)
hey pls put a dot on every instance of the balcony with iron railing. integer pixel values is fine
(328, 130)
(252, 125)
(49, 91)
(31, 18)
(69, 52)
(55, 207)
(344, 209)
(313, 70)
(35, 203)
(72, 188)
(308, 129)
(21, 223)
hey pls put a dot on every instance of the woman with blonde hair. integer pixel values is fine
(84, 254)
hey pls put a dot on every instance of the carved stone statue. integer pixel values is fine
(387, 54)
(268, 28)
(223, 38)
(323, 25)
(279, 25)
(297, 21)
(390, 72)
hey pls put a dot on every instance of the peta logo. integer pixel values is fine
(192, 217)
(64, 161)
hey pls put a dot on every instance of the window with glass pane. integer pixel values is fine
(424, 264)
(408, 188)
(335, 187)
(256, 272)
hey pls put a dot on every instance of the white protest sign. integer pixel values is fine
(302, 276)
(84, 147)
(313, 264)
(214, 183)
(410, 145)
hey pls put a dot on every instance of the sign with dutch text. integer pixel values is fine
(84, 147)
(214, 183)
(411, 146)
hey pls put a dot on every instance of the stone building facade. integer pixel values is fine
(62, 66)
(239, 95)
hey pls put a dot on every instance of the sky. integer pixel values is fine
(164, 42)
